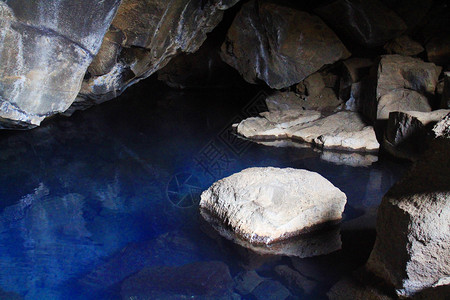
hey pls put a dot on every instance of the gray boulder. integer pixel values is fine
(412, 250)
(45, 50)
(279, 45)
(267, 205)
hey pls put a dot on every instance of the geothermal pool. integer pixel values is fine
(87, 202)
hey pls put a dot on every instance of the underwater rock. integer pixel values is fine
(295, 280)
(352, 288)
(399, 79)
(155, 31)
(407, 132)
(246, 282)
(411, 249)
(279, 45)
(271, 289)
(403, 45)
(267, 205)
(368, 23)
(205, 280)
(45, 50)
(343, 130)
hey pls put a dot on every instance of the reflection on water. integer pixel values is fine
(88, 201)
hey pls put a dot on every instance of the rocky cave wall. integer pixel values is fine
(59, 56)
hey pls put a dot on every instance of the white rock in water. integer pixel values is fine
(266, 205)
(344, 130)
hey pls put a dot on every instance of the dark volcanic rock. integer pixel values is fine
(45, 50)
(154, 31)
(412, 250)
(279, 45)
(368, 23)
(205, 280)
(403, 45)
(399, 82)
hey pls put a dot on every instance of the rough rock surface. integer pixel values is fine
(45, 49)
(205, 280)
(279, 45)
(401, 100)
(266, 205)
(407, 132)
(369, 23)
(343, 130)
(319, 96)
(283, 101)
(412, 250)
(403, 45)
(396, 72)
(442, 128)
(146, 35)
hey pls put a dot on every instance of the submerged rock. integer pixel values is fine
(279, 45)
(411, 250)
(407, 132)
(368, 23)
(266, 205)
(205, 280)
(45, 50)
(343, 130)
(400, 82)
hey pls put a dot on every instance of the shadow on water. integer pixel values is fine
(90, 200)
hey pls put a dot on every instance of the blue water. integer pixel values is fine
(87, 201)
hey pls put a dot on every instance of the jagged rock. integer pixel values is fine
(438, 49)
(271, 289)
(368, 23)
(411, 250)
(442, 128)
(445, 100)
(45, 50)
(407, 132)
(266, 205)
(343, 130)
(403, 45)
(395, 74)
(154, 31)
(205, 280)
(353, 70)
(279, 45)
(401, 100)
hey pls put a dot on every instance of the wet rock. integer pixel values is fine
(442, 128)
(349, 159)
(247, 281)
(266, 205)
(403, 45)
(445, 100)
(401, 100)
(205, 280)
(438, 49)
(295, 281)
(411, 250)
(279, 45)
(275, 124)
(407, 132)
(155, 31)
(271, 289)
(394, 75)
(343, 130)
(45, 50)
(368, 23)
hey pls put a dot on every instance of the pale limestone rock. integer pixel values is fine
(266, 205)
